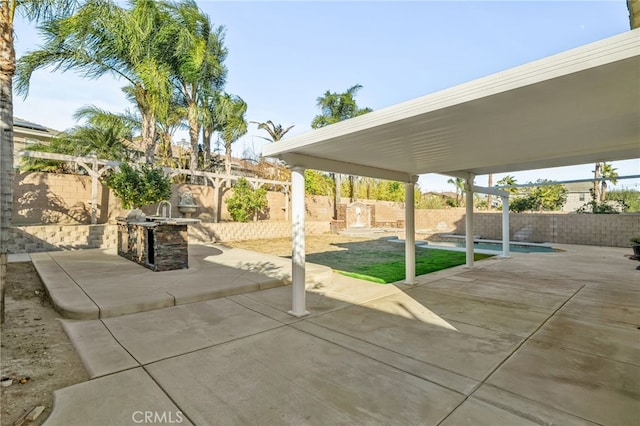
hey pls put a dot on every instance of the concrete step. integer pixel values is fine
(97, 283)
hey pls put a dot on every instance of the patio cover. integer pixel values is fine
(575, 107)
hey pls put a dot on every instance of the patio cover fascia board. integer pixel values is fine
(326, 165)
(548, 113)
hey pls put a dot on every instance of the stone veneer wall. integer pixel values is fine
(170, 245)
(32, 239)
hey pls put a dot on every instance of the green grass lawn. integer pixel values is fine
(378, 260)
(386, 264)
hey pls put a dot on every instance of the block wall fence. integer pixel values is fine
(613, 230)
(52, 212)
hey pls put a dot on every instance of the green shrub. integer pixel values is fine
(597, 208)
(246, 201)
(523, 204)
(628, 199)
(139, 186)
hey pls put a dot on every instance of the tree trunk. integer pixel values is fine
(194, 131)
(7, 70)
(337, 195)
(489, 198)
(596, 184)
(206, 147)
(149, 136)
(354, 188)
(227, 157)
(164, 150)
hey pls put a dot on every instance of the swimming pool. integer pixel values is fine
(494, 246)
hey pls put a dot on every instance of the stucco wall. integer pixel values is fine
(53, 199)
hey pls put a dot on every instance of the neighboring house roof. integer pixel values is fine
(579, 186)
(29, 126)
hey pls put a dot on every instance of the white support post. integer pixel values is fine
(469, 220)
(298, 243)
(410, 233)
(505, 226)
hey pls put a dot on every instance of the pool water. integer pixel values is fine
(522, 248)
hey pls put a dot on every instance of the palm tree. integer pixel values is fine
(232, 122)
(459, 184)
(336, 107)
(509, 181)
(608, 172)
(168, 123)
(34, 10)
(489, 184)
(197, 63)
(596, 176)
(211, 115)
(114, 133)
(103, 38)
(276, 131)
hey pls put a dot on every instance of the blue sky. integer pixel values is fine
(283, 55)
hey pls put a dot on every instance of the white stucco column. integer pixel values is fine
(468, 186)
(298, 243)
(409, 233)
(505, 226)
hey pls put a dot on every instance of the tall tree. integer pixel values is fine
(33, 10)
(103, 38)
(459, 184)
(209, 124)
(608, 172)
(489, 197)
(233, 124)
(509, 181)
(336, 107)
(276, 131)
(114, 133)
(168, 123)
(596, 181)
(197, 60)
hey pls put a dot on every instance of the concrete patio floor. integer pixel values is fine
(97, 283)
(541, 338)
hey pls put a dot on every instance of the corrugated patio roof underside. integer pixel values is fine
(575, 107)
